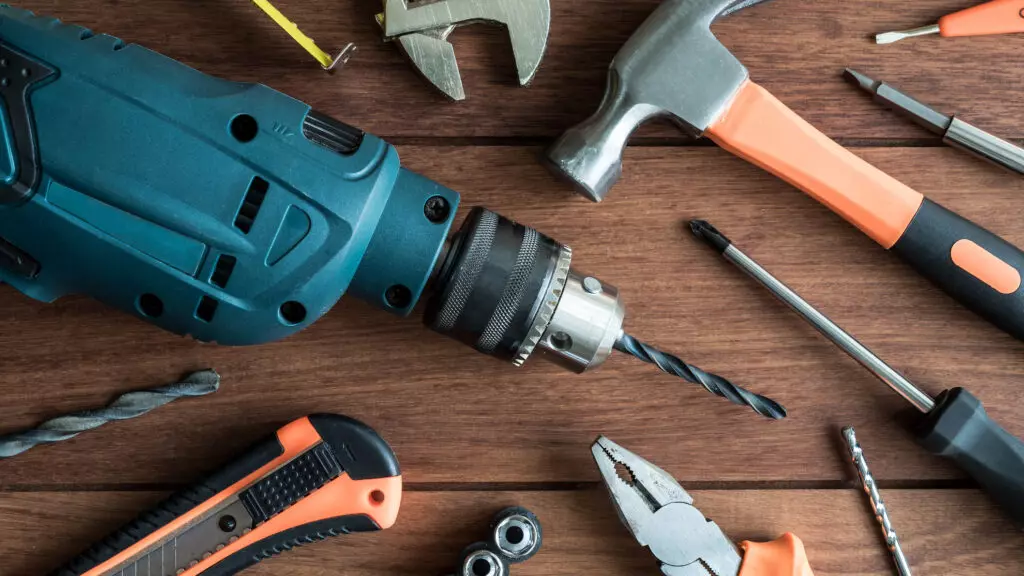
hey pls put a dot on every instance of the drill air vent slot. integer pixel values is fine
(207, 309)
(222, 271)
(251, 205)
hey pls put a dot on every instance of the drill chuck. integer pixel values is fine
(508, 290)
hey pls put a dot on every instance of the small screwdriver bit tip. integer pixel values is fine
(711, 382)
(127, 406)
(862, 81)
(890, 37)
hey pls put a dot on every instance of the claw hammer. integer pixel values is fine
(675, 67)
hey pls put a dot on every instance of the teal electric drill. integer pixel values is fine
(235, 214)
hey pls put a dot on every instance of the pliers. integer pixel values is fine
(662, 517)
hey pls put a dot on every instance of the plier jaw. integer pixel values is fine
(661, 516)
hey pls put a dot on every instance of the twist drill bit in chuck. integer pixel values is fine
(510, 292)
(711, 382)
(126, 407)
(877, 504)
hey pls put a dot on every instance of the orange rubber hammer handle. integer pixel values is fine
(783, 557)
(762, 130)
(976, 267)
(995, 17)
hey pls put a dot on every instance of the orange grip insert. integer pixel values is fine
(996, 17)
(378, 498)
(985, 266)
(762, 130)
(783, 557)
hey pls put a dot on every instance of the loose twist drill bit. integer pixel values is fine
(711, 382)
(877, 504)
(126, 407)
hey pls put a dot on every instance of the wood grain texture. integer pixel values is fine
(582, 534)
(474, 434)
(795, 48)
(456, 416)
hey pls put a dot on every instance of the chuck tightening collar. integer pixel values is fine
(500, 289)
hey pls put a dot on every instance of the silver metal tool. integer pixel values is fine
(892, 541)
(919, 398)
(954, 131)
(672, 67)
(890, 37)
(955, 424)
(516, 535)
(661, 515)
(126, 407)
(422, 31)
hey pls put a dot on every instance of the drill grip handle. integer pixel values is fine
(959, 428)
(982, 271)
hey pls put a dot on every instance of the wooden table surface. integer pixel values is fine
(473, 434)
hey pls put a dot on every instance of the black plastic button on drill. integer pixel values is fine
(17, 261)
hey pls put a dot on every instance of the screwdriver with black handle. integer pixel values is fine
(322, 475)
(955, 424)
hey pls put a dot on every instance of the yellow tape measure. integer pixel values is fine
(327, 61)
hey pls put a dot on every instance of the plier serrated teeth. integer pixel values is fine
(661, 516)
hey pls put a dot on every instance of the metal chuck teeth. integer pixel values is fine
(548, 306)
(507, 290)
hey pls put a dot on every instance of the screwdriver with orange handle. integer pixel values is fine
(995, 17)
(322, 475)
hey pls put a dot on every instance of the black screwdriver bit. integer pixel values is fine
(711, 382)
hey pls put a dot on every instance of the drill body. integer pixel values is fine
(225, 211)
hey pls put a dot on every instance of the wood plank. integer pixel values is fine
(795, 48)
(582, 534)
(456, 416)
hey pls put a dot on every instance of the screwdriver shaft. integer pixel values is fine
(867, 480)
(920, 399)
(954, 131)
(127, 406)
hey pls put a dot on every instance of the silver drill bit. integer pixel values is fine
(890, 37)
(126, 407)
(919, 398)
(877, 504)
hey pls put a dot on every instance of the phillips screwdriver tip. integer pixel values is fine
(862, 81)
(705, 231)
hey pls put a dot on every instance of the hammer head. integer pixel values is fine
(672, 67)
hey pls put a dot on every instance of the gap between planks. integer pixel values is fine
(892, 484)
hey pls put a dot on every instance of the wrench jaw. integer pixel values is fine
(422, 32)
